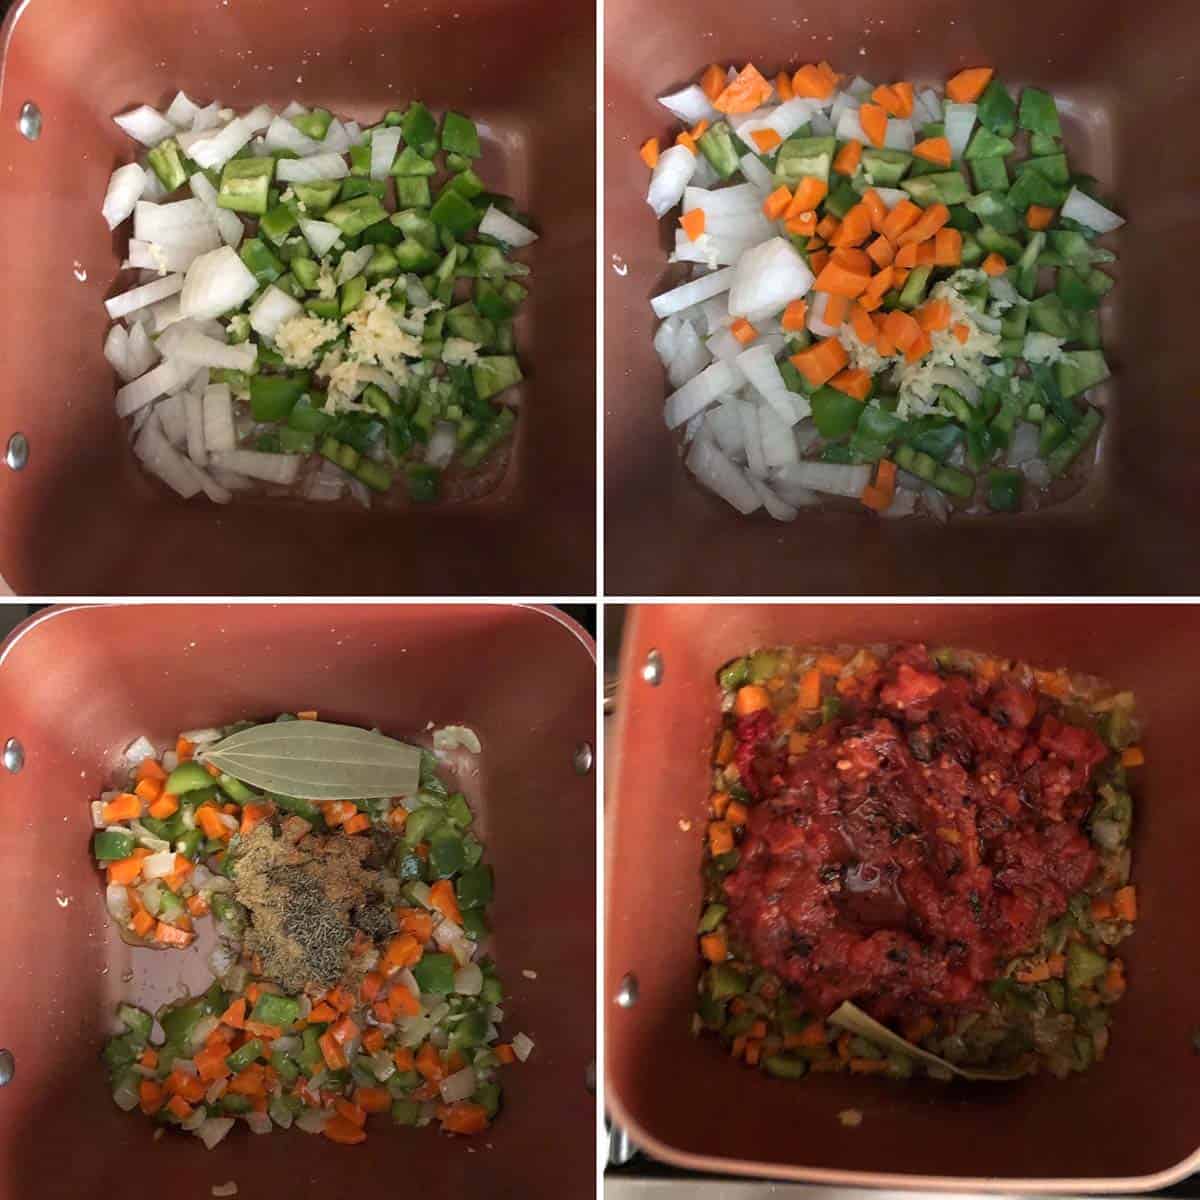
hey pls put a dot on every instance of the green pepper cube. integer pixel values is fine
(314, 124)
(108, 845)
(412, 191)
(1038, 113)
(276, 1010)
(419, 127)
(360, 160)
(410, 162)
(276, 223)
(474, 888)
(245, 183)
(353, 216)
(241, 1058)
(261, 260)
(272, 397)
(459, 135)
(494, 374)
(424, 482)
(167, 163)
(317, 195)
(435, 974)
(454, 212)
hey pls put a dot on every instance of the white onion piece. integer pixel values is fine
(335, 140)
(687, 294)
(758, 365)
(320, 235)
(272, 468)
(1079, 206)
(666, 338)
(451, 938)
(756, 464)
(384, 144)
(162, 459)
(140, 297)
(891, 196)
(784, 120)
(931, 105)
(820, 125)
(141, 747)
(283, 135)
(835, 478)
(699, 392)
(767, 278)
(849, 128)
(724, 346)
(522, 1046)
(116, 350)
(216, 283)
(458, 1086)
(778, 442)
(316, 166)
(203, 351)
(959, 121)
(899, 134)
(860, 88)
(468, 980)
(724, 422)
(690, 356)
(721, 475)
(708, 250)
(141, 351)
(116, 900)
(816, 316)
(759, 174)
(280, 1113)
(164, 314)
(229, 224)
(146, 125)
(125, 187)
(166, 377)
(456, 737)
(259, 118)
(179, 221)
(442, 442)
(155, 866)
(776, 507)
(178, 256)
(672, 174)
(904, 501)
(1024, 445)
(312, 1120)
(501, 226)
(193, 409)
(208, 117)
(181, 112)
(213, 1130)
(690, 105)
(353, 262)
(270, 311)
(216, 150)
(1041, 347)
(294, 109)
(960, 381)
(259, 1122)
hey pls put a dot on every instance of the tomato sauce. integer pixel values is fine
(926, 835)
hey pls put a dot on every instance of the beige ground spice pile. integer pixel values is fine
(300, 898)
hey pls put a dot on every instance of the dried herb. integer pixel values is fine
(317, 760)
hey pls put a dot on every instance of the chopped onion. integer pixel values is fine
(778, 442)
(208, 117)
(776, 507)
(116, 350)
(283, 135)
(816, 316)
(176, 255)
(451, 737)
(758, 365)
(146, 125)
(182, 111)
(155, 866)
(141, 352)
(722, 476)
(759, 174)
(959, 121)
(162, 459)
(384, 144)
(468, 980)
(928, 106)
(116, 900)
(316, 166)
(442, 443)
(125, 188)
(1036, 471)
(938, 505)
(280, 1113)
(699, 392)
(320, 235)
(785, 119)
(458, 1086)
(1024, 447)
(166, 377)
(834, 478)
(215, 1128)
(725, 423)
(522, 1046)
(270, 311)
(203, 351)
(272, 468)
(752, 436)
(502, 227)
(216, 150)
(849, 127)
(335, 140)
(229, 224)
(216, 283)
(353, 263)
(151, 894)
(672, 174)
(820, 125)
(1079, 206)
(899, 134)
(147, 293)
(141, 747)
(193, 410)
(690, 105)
(450, 937)
(690, 357)
(767, 278)
(891, 196)
(219, 433)
(259, 1122)
(959, 380)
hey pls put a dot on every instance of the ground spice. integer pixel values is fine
(300, 896)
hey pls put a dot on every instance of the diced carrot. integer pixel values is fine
(402, 951)
(868, 1066)
(904, 91)
(720, 838)
(853, 382)
(837, 310)
(416, 921)
(149, 768)
(809, 192)
(213, 770)
(699, 129)
(887, 99)
(925, 252)
(1058, 965)
(260, 1029)
(765, 139)
(167, 805)
(336, 812)
(905, 215)
(1038, 216)
(179, 1083)
(149, 789)
(322, 1013)
(1134, 756)
(143, 922)
(693, 223)
(169, 935)
(814, 82)
(359, 823)
(254, 815)
(775, 205)
(1125, 903)
(344, 1133)
(211, 1063)
(1102, 909)
(124, 807)
(649, 152)
(402, 1002)
(935, 150)
(827, 226)
(1114, 979)
(718, 802)
(874, 122)
(441, 896)
(902, 328)
(855, 227)
(373, 1099)
(906, 256)
(210, 822)
(840, 281)
(185, 751)
(1035, 973)
(881, 252)
(934, 315)
(335, 1060)
(743, 331)
(753, 1051)
(994, 264)
(962, 331)
(848, 157)
(876, 208)
(505, 1053)
(372, 983)
(750, 699)
(863, 326)
(714, 947)
(793, 320)
(125, 870)
(685, 139)
(429, 1063)
(947, 247)
(463, 1117)
(748, 91)
(821, 362)
(929, 222)
(878, 287)
(817, 261)
(808, 695)
(804, 225)
(737, 813)
(151, 1096)
(921, 347)
(712, 82)
(967, 86)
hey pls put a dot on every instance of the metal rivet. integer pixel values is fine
(652, 671)
(583, 758)
(30, 121)
(17, 454)
(589, 1077)
(8, 1067)
(14, 755)
(627, 993)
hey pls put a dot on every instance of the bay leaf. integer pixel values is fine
(318, 760)
(851, 1017)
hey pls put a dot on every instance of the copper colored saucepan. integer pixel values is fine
(78, 684)
(81, 518)
(1130, 530)
(1129, 1123)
